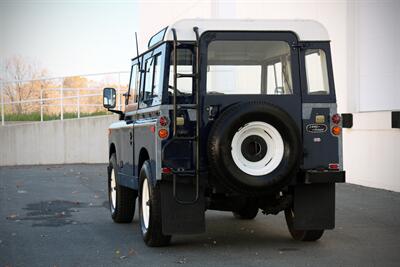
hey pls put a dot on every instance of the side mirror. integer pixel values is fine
(109, 98)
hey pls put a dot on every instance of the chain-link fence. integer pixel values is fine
(58, 98)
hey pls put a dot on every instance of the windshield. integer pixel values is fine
(249, 67)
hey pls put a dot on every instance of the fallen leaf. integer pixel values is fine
(131, 252)
(11, 216)
(181, 261)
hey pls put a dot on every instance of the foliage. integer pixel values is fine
(20, 70)
(35, 116)
(75, 82)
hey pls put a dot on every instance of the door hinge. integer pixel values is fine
(299, 45)
(131, 138)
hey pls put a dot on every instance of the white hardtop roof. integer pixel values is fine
(306, 30)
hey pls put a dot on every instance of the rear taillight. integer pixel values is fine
(333, 166)
(336, 119)
(163, 121)
(166, 170)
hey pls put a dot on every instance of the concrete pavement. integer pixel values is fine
(57, 216)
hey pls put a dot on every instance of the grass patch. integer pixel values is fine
(35, 116)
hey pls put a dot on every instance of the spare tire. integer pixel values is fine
(254, 148)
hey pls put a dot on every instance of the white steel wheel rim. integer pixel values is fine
(273, 156)
(145, 204)
(113, 190)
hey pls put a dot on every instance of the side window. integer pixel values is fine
(152, 82)
(185, 66)
(133, 85)
(149, 70)
(157, 86)
(316, 71)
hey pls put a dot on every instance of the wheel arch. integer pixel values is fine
(143, 156)
(112, 150)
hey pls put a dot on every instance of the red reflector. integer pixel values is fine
(153, 129)
(333, 166)
(336, 118)
(166, 170)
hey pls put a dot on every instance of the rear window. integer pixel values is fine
(249, 67)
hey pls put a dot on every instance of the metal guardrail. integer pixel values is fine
(41, 100)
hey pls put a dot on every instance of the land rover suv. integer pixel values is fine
(229, 115)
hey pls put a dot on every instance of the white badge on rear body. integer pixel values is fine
(316, 128)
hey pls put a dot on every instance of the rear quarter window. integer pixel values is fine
(316, 72)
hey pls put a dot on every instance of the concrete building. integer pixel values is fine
(364, 37)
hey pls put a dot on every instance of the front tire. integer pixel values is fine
(150, 210)
(301, 235)
(122, 200)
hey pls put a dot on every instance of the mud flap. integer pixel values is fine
(181, 218)
(314, 206)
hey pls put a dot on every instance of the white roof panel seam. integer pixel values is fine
(306, 30)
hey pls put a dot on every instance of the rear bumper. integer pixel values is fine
(324, 177)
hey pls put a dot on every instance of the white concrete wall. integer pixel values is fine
(56, 142)
(364, 38)
(371, 151)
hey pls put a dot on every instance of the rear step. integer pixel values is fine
(186, 75)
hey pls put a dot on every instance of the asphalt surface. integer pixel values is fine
(57, 216)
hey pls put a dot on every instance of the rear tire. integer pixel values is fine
(248, 212)
(301, 235)
(122, 199)
(150, 210)
(254, 148)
